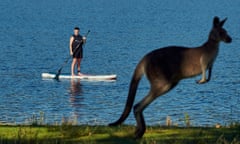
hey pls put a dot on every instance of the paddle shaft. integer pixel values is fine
(66, 61)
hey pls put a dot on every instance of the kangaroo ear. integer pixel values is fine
(222, 22)
(216, 21)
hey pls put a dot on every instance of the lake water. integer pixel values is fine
(35, 36)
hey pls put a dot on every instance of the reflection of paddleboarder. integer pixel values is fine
(76, 50)
(75, 88)
(76, 98)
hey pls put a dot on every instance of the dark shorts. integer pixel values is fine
(78, 53)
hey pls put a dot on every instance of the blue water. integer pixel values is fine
(34, 38)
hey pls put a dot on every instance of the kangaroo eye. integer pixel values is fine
(222, 33)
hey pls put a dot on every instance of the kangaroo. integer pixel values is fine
(165, 67)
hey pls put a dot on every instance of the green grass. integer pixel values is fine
(117, 135)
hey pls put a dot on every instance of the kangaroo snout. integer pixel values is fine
(228, 39)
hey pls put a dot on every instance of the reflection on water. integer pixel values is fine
(75, 88)
(76, 96)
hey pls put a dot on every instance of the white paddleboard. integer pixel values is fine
(111, 77)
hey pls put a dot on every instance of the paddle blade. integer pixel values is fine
(58, 74)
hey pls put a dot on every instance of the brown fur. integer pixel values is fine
(165, 67)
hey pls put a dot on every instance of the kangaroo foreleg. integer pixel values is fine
(209, 74)
(204, 79)
(204, 67)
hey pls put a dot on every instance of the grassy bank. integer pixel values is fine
(117, 135)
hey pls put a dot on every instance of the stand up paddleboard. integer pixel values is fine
(111, 77)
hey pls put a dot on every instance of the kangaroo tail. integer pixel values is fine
(139, 71)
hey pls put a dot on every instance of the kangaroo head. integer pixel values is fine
(218, 33)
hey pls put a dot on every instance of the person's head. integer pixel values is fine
(76, 31)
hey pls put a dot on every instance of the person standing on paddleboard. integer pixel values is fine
(76, 50)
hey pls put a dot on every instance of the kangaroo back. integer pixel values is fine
(139, 71)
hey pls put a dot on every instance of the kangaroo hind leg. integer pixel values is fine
(155, 92)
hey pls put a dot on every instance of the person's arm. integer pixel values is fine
(84, 39)
(70, 45)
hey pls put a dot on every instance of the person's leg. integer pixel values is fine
(79, 66)
(73, 66)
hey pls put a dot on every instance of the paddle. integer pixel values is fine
(66, 61)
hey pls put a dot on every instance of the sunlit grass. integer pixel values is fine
(121, 134)
(37, 131)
